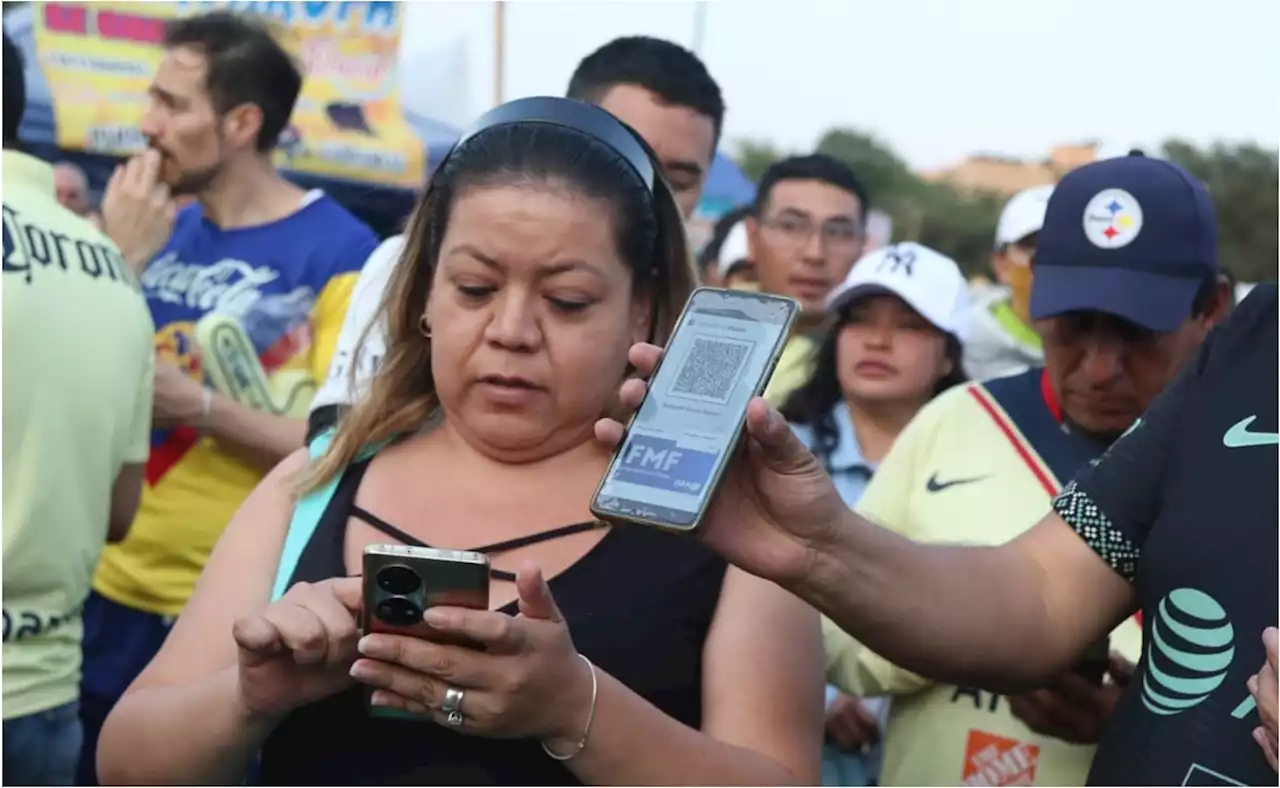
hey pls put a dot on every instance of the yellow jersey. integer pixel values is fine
(978, 465)
(78, 372)
(794, 368)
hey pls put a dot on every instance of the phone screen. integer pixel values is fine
(717, 360)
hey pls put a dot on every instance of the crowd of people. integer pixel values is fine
(1022, 538)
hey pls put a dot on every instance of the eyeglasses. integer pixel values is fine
(837, 235)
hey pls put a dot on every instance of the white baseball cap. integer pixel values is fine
(1022, 215)
(734, 249)
(929, 281)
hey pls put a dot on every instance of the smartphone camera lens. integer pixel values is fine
(398, 580)
(398, 612)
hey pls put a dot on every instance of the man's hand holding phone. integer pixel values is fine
(299, 649)
(776, 506)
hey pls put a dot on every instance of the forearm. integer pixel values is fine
(263, 439)
(936, 610)
(632, 742)
(180, 735)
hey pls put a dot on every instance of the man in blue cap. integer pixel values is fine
(1126, 287)
(1127, 260)
(1173, 521)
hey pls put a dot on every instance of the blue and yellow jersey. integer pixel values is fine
(287, 284)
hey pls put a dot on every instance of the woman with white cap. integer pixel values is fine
(901, 317)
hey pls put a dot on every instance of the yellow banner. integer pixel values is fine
(98, 59)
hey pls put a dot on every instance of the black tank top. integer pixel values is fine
(638, 605)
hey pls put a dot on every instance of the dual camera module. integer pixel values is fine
(402, 605)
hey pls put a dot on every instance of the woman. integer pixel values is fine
(543, 247)
(896, 343)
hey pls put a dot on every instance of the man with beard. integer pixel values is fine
(660, 89)
(275, 263)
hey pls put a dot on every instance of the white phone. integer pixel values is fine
(721, 354)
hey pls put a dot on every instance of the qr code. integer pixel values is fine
(710, 370)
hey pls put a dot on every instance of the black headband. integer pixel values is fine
(571, 114)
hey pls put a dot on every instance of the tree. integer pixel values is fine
(1243, 180)
(755, 156)
(876, 164)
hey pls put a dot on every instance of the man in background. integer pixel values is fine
(72, 188)
(806, 232)
(270, 266)
(78, 366)
(660, 89)
(666, 94)
(1002, 340)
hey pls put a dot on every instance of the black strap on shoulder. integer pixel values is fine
(505, 546)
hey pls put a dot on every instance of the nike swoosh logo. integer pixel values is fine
(1239, 436)
(933, 485)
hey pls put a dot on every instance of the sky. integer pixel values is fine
(936, 79)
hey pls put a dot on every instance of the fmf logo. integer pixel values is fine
(649, 457)
(662, 463)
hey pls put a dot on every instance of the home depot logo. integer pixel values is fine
(995, 760)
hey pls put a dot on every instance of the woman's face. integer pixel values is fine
(532, 311)
(886, 352)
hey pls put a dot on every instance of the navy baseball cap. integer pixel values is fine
(1133, 236)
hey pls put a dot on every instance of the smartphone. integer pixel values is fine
(1093, 666)
(678, 444)
(401, 582)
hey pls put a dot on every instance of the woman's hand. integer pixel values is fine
(776, 506)
(1264, 688)
(529, 682)
(298, 649)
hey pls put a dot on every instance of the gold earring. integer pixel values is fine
(424, 327)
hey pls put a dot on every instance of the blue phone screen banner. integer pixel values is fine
(661, 463)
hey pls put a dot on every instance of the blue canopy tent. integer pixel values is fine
(383, 207)
(726, 188)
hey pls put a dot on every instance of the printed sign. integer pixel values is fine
(995, 760)
(98, 59)
(661, 463)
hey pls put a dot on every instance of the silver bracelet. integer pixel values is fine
(591, 716)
